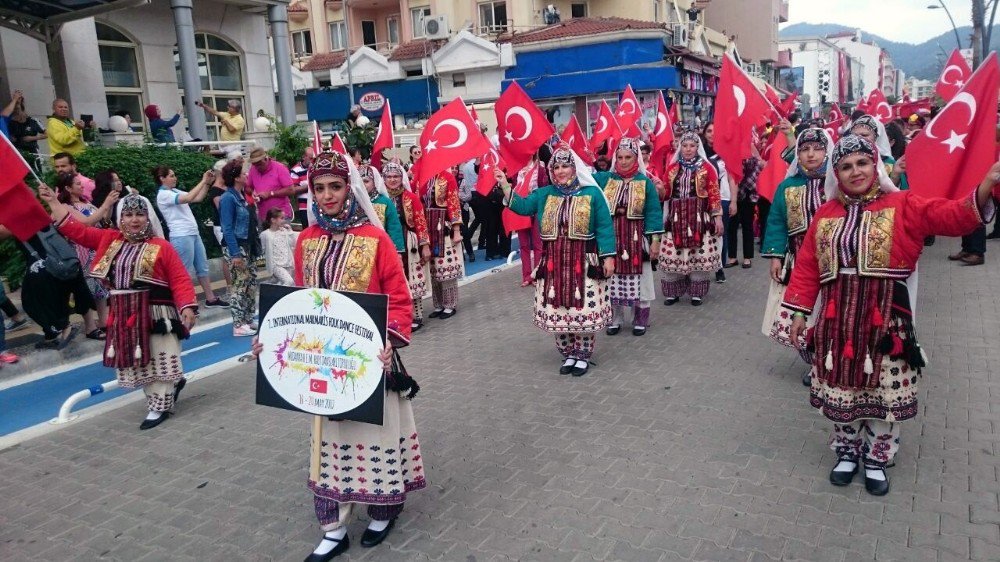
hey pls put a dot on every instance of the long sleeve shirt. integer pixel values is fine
(64, 137)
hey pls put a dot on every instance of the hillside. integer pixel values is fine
(920, 60)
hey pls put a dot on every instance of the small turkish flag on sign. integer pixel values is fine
(521, 126)
(954, 76)
(317, 385)
(450, 137)
(958, 146)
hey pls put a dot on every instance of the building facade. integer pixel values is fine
(822, 72)
(753, 24)
(879, 71)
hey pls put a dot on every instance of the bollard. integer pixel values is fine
(65, 415)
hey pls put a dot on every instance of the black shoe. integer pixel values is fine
(877, 487)
(342, 546)
(720, 276)
(993, 235)
(472, 259)
(415, 327)
(445, 315)
(150, 424)
(580, 371)
(696, 301)
(217, 303)
(180, 386)
(435, 314)
(843, 478)
(613, 330)
(807, 379)
(62, 341)
(373, 538)
(567, 366)
(639, 331)
(671, 301)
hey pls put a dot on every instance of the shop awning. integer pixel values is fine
(41, 18)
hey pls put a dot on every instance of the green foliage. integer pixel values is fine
(11, 264)
(361, 137)
(289, 143)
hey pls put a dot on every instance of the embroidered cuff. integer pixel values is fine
(986, 212)
(796, 308)
(654, 232)
(397, 339)
(780, 256)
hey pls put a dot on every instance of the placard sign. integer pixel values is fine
(321, 351)
(372, 101)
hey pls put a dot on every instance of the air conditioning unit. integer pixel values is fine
(436, 27)
(679, 31)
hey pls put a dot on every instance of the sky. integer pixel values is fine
(908, 21)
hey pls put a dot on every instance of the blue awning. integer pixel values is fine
(413, 97)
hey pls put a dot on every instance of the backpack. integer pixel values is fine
(60, 257)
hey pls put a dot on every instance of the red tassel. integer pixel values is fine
(831, 310)
(849, 350)
(577, 268)
(635, 261)
(131, 321)
(897, 346)
(551, 266)
(876, 317)
(697, 237)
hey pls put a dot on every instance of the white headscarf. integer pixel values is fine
(402, 172)
(794, 168)
(690, 135)
(155, 228)
(629, 143)
(850, 144)
(378, 180)
(881, 138)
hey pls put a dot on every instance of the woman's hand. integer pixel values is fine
(609, 266)
(425, 254)
(239, 263)
(501, 180)
(986, 187)
(717, 224)
(776, 270)
(46, 194)
(385, 356)
(456, 235)
(109, 203)
(654, 250)
(188, 318)
(798, 333)
(256, 348)
(732, 209)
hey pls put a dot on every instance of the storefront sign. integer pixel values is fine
(372, 101)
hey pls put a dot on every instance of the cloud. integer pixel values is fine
(908, 21)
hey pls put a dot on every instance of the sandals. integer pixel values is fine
(729, 264)
(97, 334)
(746, 264)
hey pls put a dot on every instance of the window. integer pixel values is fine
(220, 67)
(302, 43)
(392, 26)
(458, 80)
(120, 70)
(338, 36)
(368, 33)
(578, 9)
(657, 14)
(417, 16)
(492, 17)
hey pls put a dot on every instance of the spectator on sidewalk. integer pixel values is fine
(6, 357)
(17, 319)
(240, 249)
(300, 184)
(271, 183)
(175, 206)
(160, 129)
(25, 131)
(65, 163)
(278, 242)
(232, 120)
(106, 183)
(65, 134)
(466, 187)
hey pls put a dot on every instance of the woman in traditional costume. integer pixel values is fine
(691, 249)
(444, 221)
(383, 205)
(353, 462)
(571, 296)
(796, 200)
(862, 245)
(416, 240)
(151, 306)
(872, 130)
(638, 220)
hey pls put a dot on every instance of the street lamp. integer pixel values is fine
(953, 27)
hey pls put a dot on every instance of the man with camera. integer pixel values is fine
(65, 134)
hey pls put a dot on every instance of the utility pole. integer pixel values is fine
(978, 22)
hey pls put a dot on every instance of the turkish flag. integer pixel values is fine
(775, 169)
(20, 211)
(337, 144)
(317, 140)
(384, 139)
(862, 105)
(450, 137)
(521, 126)
(833, 129)
(954, 76)
(675, 111)
(511, 220)
(835, 113)
(317, 385)
(488, 165)
(628, 110)
(788, 106)
(739, 107)
(958, 146)
(772, 96)
(878, 106)
(474, 114)
(606, 128)
(663, 138)
(573, 136)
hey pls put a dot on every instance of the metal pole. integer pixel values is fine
(978, 15)
(188, 57)
(347, 29)
(989, 28)
(954, 28)
(277, 14)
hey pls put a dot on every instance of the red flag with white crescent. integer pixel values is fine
(739, 108)
(450, 137)
(835, 113)
(337, 144)
(573, 136)
(521, 126)
(833, 128)
(628, 109)
(878, 106)
(384, 139)
(954, 75)
(663, 137)
(775, 169)
(488, 165)
(317, 139)
(606, 128)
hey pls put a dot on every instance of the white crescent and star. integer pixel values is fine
(661, 124)
(523, 114)
(888, 109)
(460, 128)
(957, 83)
(602, 124)
(741, 100)
(964, 98)
(621, 107)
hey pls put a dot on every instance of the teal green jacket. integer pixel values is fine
(775, 243)
(648, 206)
(590, 218)
(386, 211)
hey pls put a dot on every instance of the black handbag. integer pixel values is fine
(398, 379)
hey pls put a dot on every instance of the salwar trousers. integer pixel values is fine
(444, 294)
(576, 345)
(332, 514)
(874, 442)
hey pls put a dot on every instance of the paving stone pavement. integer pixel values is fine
(693, 442)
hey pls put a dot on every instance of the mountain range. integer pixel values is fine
(923, 61)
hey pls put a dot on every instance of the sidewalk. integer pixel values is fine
(695, 441)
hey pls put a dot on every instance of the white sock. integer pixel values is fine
(569, 362)
(154, 415)
(330, 540)
(448, 310)
(581, 364)
(874, 473)
(378, 526)
(845, 466)
(695, 299)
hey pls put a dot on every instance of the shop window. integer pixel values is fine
(220, 67)
(120, 70)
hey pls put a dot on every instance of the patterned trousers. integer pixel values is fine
(578, 345)
(159, 396)
(445, 294)
(676, 285)
(243, 292)
(418, 309)
(639, 315)
(875, 440)
(333, 515)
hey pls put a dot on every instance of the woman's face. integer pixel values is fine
(563, 173)
(865, 133)
(330, 193)
(710, 134)
(856, 173)
(76, 188)
(626, 159)
(170, 180)
(133, 222)
(811, 156)
(116, 183)
(689, 149)
(393, 181)
(369, 184)
(416, 153)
